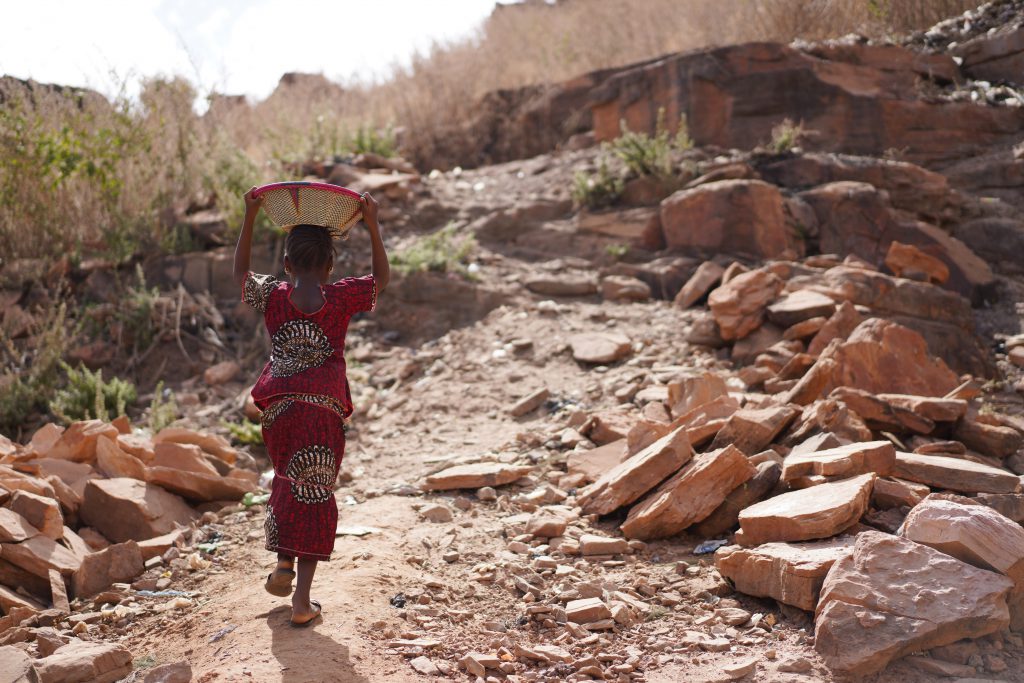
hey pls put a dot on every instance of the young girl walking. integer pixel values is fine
(303, 391)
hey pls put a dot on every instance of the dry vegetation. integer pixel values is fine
(84, 179)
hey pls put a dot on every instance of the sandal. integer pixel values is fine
(279, 582)
(310, 619)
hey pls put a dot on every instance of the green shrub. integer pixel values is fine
(617, 251)
(786, 136)
(246, 432)
(652, 155)
(370, 140)
(29, 376)
(442, 252)
(163, 409)
(599, 190)
(87, 396)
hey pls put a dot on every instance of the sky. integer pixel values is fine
(228, 46)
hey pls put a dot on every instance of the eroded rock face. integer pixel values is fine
(892, 596)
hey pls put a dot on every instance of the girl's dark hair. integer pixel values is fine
(309, 248)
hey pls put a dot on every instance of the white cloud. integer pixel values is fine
(231, 45)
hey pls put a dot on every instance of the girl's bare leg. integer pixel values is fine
(303, 582)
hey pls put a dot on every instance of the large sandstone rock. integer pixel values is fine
(725, 516)
(799, 306)
(843, 461)
(694, 390)
(121, 562)
(816, 512)
(114, 462)
(641, 226)
(707, 276)
(739, 305)
(562, 285)
(752, 429)
(127, 509)
(954, 474)
(78, 441)
(906, 260)
(14, 528)
(39, 554)
(996, 55)
(988, 439)
(730, 216)
(213, 444)
(198, 487)
(42, 513)
(474, 476)
(892, 596)
(634, 477)
(599, 347)
(840, 325)
(593, 463)
(689, 496)
(881, 415)
(15, 665)
(84, 662)
(934, 409)
(791, 573)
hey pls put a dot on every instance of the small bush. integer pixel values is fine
(246, 432)
(370, 140)
(652, 155)
(786, 136)
(617, 251)
(442, 252)
(599, 190)
(29, 376)
(88, 397)
(163, 409)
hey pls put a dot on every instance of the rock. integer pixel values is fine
(797, 665)
(587, 610)
(993, 440)
(546, 525)
(843, 461)
(591, 544)
(563, 285)
(840, 325)
(84, 662)
(14, 528)
(59, 593)
(892, 596)
(478, 475)
(608, 426)
(596, 462)
(202, 488)
(42, 513)
(954, 474)
(725, 516)
(10, 600)
(881, 415)
(599, 347)
(741, 669)
(119, 563)
(158, 545)
(800, 306)
(890, 493)
(1010, 505)
(436, 513)
(729, 216)
(791, 573)
(209, 443)
(221, 373)
(700, 283)
(694, 390)
(176, 672)
(934, 409)
(634, 477)
(641, 226)
(78, 442)
(15, 664)
(1016, 356)
(906, 260)
(690, 496)
(752, 430)
(624, 288)
(114, 462)
(739, 305)
(817, 512)
(185, 457)
(940, 668)
(476, 663)
(529, 403)
(424, 666)
(39, 554)
(127, 509)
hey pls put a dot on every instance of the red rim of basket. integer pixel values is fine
(336, 189)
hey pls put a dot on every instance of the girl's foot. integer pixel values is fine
(306, 615)
(279, 582)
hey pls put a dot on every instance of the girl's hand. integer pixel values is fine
(369, 210)
(252, 204)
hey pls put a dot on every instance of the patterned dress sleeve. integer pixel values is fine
(257, 288)
(358, 294)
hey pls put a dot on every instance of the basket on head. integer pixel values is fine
(304, 203)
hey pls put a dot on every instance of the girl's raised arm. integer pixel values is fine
(379, 266)
(244, 246)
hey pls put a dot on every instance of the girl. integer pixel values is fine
(303, 391)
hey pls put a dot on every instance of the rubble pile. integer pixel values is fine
(96, 521)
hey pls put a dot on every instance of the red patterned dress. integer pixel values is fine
(304, 395)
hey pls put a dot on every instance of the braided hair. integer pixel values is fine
(310, 248)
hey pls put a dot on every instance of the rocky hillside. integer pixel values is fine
(752, 409)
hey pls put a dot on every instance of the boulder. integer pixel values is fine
(593, 463)
(640, 226)
(842, 461)
(600, 347)
(634, 477)
(839, 325)
(739, 305)
(607, 426)
(59, 593)
(725, 516)
(127, 509)
(587, 610)
(158, 545)
(119, 563)
(42, 513)
(800, 306)
(13, 575)
(817, 512)
(624, 288)
(892, 597)
(996, 441)
(113, 462)
(879, 414)
(78, 441)
(934, 409)
(562, 285)
(181, 672)
(474, 476)
(707, 276)
(14, 528)
(592, 544)
(752, 429)
(39, 554)
(15, 664)
(906, 260)
(1010, 505)
(693, 390)
(84, 662)
(690, 496)
(210, 443)
(891, 493)
(730, 216)
(954, 474)
(791, 573)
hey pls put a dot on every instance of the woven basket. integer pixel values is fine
(304, 203)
